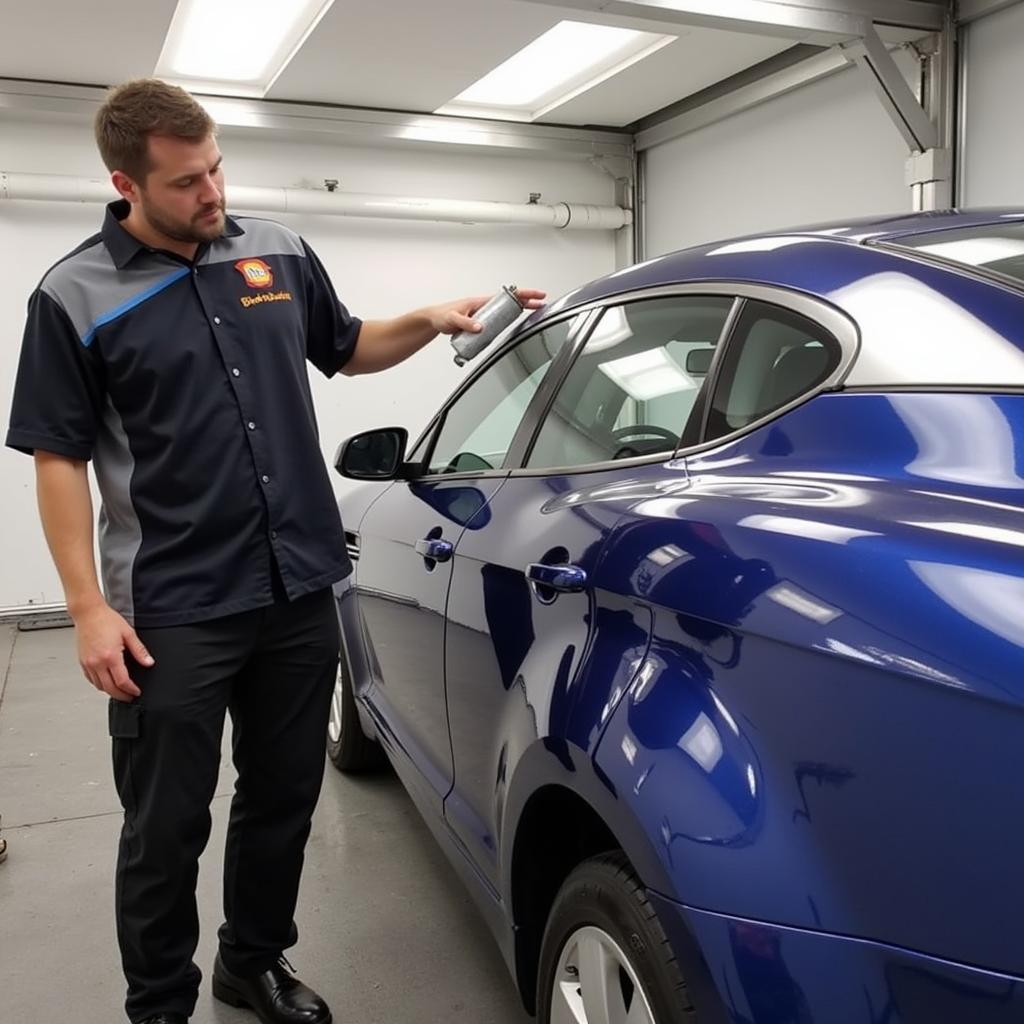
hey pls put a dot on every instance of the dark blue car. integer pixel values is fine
(694, 626)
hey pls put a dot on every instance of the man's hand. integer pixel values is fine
(103, 637)
(452, 317)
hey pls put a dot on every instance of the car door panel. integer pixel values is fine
(514, 649)
(402, 594)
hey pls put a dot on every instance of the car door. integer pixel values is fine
(522, 613)
(406, 543)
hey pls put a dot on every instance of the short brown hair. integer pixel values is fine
(140, 108)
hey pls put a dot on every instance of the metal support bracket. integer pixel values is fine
(930, 177)
(928, 167)
(624, 173)
(871, 55)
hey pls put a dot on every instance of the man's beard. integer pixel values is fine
(196, 230)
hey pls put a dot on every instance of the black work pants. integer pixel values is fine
(273, 669)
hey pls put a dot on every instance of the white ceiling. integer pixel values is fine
(96, 42)
(394, 54)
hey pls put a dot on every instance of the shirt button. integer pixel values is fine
(216, 320)
(235, 371)
(265, 478)
(251, 425)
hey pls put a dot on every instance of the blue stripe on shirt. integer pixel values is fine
(137, 300)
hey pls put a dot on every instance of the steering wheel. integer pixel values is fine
(627, 450)
(644, 430)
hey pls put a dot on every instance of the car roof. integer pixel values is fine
(702, 262)
(883, 229)
(965, 313)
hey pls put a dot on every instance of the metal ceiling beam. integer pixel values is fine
(78, 104)
(971, 10)
(825, 22)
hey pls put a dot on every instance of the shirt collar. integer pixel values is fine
(123, 246)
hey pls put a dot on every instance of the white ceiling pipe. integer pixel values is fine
(63, 188)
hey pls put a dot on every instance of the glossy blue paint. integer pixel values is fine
(766, 974)
(514, 650)
(791, 688)
(839, 670)
(402, 593)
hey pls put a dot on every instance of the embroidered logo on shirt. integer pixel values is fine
(257, 300)
(255, 272)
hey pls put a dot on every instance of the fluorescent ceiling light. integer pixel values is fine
(565, 61)
(233, 47)
(649, 374)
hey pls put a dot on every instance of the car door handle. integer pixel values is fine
(438, 550)
(567, 578)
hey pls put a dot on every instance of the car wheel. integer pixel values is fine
(348, 747)
(605, 958)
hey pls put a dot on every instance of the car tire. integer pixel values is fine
(602, 915)
(351, 751)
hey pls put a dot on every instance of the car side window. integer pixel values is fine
(478, 427)
(773, 357)
(633, 386)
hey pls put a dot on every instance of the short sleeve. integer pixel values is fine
(331, 331)
(58, 391)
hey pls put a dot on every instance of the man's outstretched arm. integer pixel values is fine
(385, 343)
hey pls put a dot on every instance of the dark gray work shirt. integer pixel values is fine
(186, 384)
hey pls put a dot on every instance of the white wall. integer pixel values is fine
(826, 151)
(994, 147)
(380, 268)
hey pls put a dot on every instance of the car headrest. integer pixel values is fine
(796, 371)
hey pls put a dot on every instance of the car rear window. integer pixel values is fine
(996, 248)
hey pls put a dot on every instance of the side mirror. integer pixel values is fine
(698, 361)
(372, 455)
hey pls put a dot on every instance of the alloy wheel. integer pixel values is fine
(596, 984)
(337, 710)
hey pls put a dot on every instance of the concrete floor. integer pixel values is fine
(387, 932)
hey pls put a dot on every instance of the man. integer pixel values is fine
(170, 349)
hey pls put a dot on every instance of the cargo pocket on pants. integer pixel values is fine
(123, 719)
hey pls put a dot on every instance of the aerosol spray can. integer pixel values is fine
(499, 312)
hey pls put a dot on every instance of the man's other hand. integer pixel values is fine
(103, 637)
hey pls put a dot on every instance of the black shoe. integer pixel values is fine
(166, 1018)
(276, 996)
